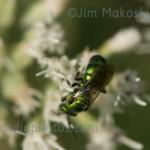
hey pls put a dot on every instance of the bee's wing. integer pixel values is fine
(100, 78)
(94, 93)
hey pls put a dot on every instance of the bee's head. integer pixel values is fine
(97, 59)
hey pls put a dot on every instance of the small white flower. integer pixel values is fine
(123, 41)
(128, 88)
(60, 70)
(24, 100)
(51, 109)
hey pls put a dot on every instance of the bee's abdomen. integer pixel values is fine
(79, 105)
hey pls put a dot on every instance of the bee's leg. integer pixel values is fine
(68, 82)
(63, 99)
(78, 76)
(79, 79)
(70, 127)
(86, 107)
(75, 84)
(104, 90)
(78, 84)
(63, 77)
(69, 122)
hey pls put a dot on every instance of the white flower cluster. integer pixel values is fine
(47, 40)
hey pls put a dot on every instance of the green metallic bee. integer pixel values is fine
(91, 83)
